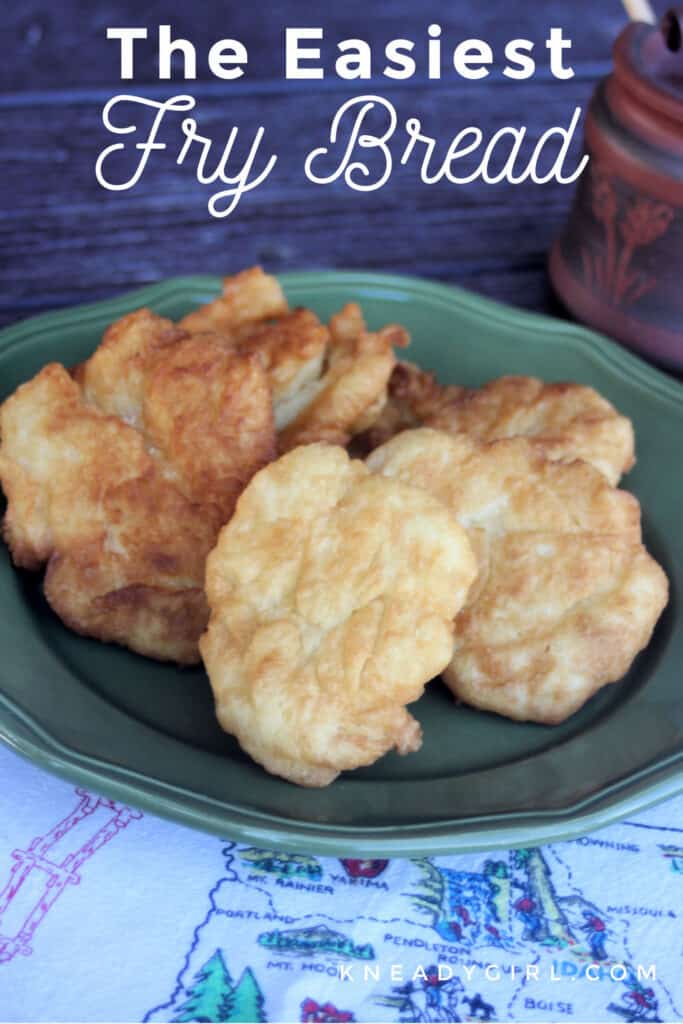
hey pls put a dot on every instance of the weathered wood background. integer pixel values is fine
(64, 239)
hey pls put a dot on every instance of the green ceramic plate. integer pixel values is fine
(145, 733)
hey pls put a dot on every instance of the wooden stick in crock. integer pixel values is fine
(640, 10)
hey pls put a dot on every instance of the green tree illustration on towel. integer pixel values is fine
(246, 1003)
(213, 999)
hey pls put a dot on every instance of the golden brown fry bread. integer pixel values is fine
(566, 595)
(114, 377)
(125, 513)
(351, 386)
(413, 396)
(332, 595)
(200, 403)
(327, 383)
(208, 412)
(292, 350)
(124, 550)
(248, 298)
(566, 421)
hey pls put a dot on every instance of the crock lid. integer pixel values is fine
(648, 59)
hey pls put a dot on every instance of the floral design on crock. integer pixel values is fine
(628, 226)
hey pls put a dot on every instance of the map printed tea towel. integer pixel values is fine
(108, 914)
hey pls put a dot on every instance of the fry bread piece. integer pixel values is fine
(207, 411)
(125, 513)
(332, 595)
(248, 298)
(565, 421)
(114, 377)
(201, 404)
(350, 390)
(124, 549)
(413, 396)
(292, 351)
(566, 594)
(327, 383)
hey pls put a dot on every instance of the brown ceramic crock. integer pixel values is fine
(618, 264)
